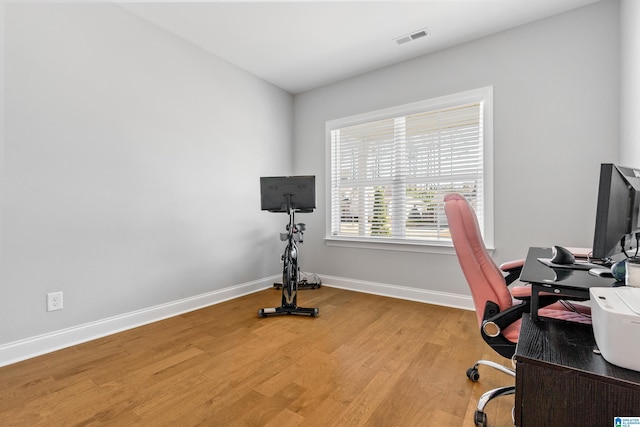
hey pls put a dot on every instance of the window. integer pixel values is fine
(390, 169)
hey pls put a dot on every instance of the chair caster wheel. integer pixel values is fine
(315, 312)
(473, 374)
(261, 313)
(480, 419)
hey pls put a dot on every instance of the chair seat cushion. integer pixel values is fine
(512, 331)
(557, 311)
(568, 315)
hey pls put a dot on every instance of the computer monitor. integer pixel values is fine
(618, 212)
(280, 193)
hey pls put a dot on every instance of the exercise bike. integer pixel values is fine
(305, 280)
(292, 194)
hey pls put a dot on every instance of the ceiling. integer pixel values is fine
(301, 45)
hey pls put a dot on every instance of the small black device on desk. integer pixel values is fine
(563, 258)
(574, 283)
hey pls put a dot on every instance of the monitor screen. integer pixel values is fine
(279, 193)
(618, 211)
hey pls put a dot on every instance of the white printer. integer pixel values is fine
(615, 314)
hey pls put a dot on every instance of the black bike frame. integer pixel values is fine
(290, 277)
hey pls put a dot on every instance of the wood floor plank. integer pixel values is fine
(366, 360)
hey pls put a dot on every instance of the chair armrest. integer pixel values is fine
(512, 270)
(502, 319)
(511, 265)
(498, 321)
(521, 292)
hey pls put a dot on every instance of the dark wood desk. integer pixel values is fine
(572, 283)
(560, 381)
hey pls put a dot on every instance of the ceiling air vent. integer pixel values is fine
(413, 36)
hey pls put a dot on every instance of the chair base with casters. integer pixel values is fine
(479, 417)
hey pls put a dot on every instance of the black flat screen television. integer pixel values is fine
(618, 212)
(279, 193)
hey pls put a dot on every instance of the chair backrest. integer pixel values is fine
(484, 278)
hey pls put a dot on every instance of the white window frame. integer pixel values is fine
(485, 95)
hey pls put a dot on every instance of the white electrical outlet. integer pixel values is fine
(54, 301)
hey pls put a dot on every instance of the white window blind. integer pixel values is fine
(390, 172)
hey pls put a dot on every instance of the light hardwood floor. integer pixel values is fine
(365, 361)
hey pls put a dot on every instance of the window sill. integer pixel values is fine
(392, 245)
(443, 248)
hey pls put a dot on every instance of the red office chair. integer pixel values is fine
(498, 308)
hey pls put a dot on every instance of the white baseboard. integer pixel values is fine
(402, 292)
(35, 346)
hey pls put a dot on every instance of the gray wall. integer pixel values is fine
(556, 118)
(630, 83)
(131, 167)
